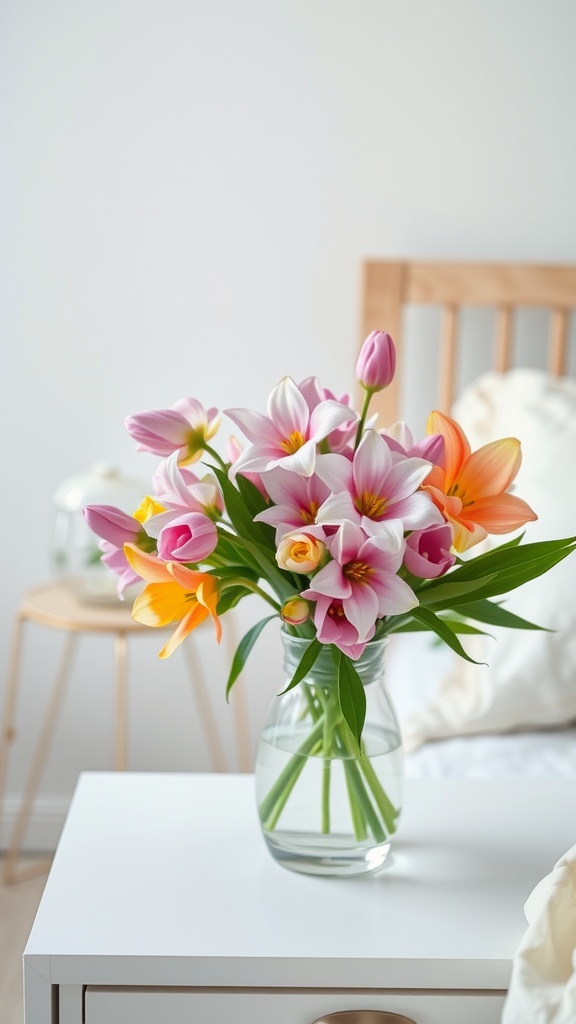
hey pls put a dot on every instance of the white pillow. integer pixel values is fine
(530, 680)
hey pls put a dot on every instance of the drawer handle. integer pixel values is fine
(364, 1017)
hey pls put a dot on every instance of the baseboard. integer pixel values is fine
(44, 828)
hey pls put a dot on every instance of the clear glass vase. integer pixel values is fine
(326, 808)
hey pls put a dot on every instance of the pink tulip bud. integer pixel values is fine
(428, 553)
(191, 537)
(295, 611)
(376, 363)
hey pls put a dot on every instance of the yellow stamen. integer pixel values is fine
(371, 505)
(292, 443)
(357, 571)
(309, 514)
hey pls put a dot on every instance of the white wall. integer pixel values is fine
(188, 189)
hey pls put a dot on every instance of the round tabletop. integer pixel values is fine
(56, 606)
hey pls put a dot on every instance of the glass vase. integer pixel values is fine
(326, 807)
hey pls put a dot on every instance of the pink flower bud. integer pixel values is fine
(299, 552)
(187, 538)
(427, 554)
(295, 611)
(376, 363)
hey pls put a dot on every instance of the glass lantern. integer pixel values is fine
(76, 555)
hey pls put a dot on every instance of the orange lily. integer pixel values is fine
(174, 593)
(470, 488)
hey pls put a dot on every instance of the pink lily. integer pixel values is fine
(289, 434)
(377, 486)
(332, 627)
(363, 575)
(185, 428)
(296, 500)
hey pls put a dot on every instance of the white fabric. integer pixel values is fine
(530, 681)
(547, 754)
(543, 983)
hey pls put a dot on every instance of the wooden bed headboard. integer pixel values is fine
(390, 285)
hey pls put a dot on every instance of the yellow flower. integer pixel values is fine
(174, 594)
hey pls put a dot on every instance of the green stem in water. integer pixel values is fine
(326, 776)
(387, 810)
(280, 791)
(358, 819)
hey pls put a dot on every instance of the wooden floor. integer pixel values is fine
(18, 905)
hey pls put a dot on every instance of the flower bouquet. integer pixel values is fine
(348, 531)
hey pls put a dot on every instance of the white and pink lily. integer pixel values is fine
(289, 435)
(377, 486)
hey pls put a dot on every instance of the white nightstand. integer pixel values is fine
(163, 904)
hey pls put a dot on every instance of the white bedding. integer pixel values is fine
(549, 754)
(415, 669)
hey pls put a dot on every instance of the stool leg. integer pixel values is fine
(121, 656)
(198, 684)
(37, 764)
(8, 733)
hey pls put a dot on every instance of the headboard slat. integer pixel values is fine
(391, 285)
(558, 349)
(503, 347)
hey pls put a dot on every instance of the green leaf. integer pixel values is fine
(451, 591)
(254, 499)
(495, 615)
(351, 696)
(508, 568)
(243, 650)
(437, 625)
(456, 625)
(240, 515)
(304, 665)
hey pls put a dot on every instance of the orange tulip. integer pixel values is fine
(470, 488)
(174, 594)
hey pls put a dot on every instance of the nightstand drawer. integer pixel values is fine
(118, 1005)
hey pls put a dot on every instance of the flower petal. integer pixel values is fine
(456, 446)
(288, 409)
(490, 470)
(256, 427)
(361, 609)
(149, 567)
(501, 514)
(159, 604)
(327, 416)
(195, 617)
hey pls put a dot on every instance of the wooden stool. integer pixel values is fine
(56, 607)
